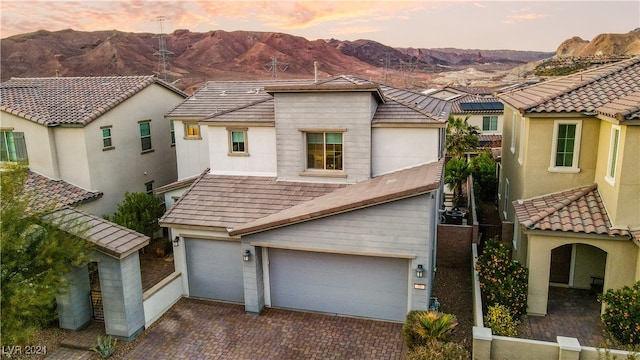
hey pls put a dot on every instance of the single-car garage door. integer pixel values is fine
(365, 286)
(215, 269)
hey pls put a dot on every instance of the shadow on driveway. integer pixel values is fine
(199, 329)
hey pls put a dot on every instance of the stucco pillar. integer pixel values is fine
(121, 287)
(539, 261)
(482, 338)
(74, 306)
(252, 274)
(569, 348)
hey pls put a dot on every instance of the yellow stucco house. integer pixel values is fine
(570, 179)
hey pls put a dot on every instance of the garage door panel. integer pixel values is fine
(345, 284)
(214, 269)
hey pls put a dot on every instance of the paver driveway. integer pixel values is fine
(199, 329)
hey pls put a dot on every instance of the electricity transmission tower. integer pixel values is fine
(274, 66)
(163, 54)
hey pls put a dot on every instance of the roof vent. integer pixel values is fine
(223, 93)
(250, 90)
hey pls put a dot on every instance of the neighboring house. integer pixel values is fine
(319, 196)
(571, 179)
(115, 255)
(486, 113)
(105, 134)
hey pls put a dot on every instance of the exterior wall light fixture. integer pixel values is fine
(176, 241)
(246, 256)
(419, 271)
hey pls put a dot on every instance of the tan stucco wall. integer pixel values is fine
(589, 261)
(622, 258)
(623, 196)
(476, 120)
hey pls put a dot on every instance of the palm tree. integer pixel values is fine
(455, 175)
(461, 137)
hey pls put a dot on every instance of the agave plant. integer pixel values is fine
(435, 325)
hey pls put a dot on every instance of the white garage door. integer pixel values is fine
(365, 286)
(215, 269)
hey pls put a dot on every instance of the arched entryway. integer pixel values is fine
(578, 265)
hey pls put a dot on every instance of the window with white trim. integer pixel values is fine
(107, 141)
(324, 150)
(566, 146)
(521, 144)
(192, 131)
(145, 135)
(489, 123)
(172, 132)
(12, 146)
(505, 208)
(612, 163)
(238, 144)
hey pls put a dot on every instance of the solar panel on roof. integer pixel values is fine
(480, 106)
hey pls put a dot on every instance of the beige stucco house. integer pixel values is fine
(103, 134)
(570, 179)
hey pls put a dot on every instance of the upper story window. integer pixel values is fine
(107, 142)
(613, 155)
(172, 132)
(489, 123)
(148, 187)
(238, 142)
(145, 135)
(12, 146)
(513, 133)
(324, 150)
(566, 146)
(192, 131)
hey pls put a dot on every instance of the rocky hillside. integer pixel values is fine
(602, 45)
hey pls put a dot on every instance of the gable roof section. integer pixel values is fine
(578, 210)
(111, 239)
(471, 104)
(584, 91)
(55, 193)
(70, 100)
(622, 109)
(259, 111)
(385, 188)
(220, 201)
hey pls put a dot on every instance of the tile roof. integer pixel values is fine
(70, 100)
(110, 238)
(248, 101)
(584, 91)
(55, 193)
(624, 108)
(491, 141)
(579, 210)
(228, 201)
(389, 187)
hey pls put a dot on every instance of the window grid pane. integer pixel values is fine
(324, 151)
(565, 145)
(237, 141)
(106, 138)
(145, 136)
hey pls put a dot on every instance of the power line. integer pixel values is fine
(163, 54)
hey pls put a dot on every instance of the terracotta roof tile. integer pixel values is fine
(578, 210)
(70, 100)
(389, 187)
(110, 238)
(55, 193)
(624, 108)
(584, 91)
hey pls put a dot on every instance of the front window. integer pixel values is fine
(613, 154)
(13, 147)
(145, 135)
(148, 186)
(107, 143)
(172, 132)
(489, 123)
(238, 142)
(192, 131)
(566, 146)
(324, 150)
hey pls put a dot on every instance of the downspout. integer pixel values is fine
(53, 149)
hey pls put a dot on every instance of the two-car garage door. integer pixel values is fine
(367, 286)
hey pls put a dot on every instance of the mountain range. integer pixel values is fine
(192, 58)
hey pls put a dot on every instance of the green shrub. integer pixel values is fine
(106, 346)
(140, 212)
(483, 169)
(502, 280)
(499, 319)
(437, 350)
(424, 326)
(622, 313)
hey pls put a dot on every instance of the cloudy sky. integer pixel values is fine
(514, 25)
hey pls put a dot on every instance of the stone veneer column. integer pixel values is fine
(121, 286)
(253, 280)
(74, 305)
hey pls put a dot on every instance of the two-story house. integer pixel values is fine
(105, 134)
(319, 196)
(571, 179)
(485, 113)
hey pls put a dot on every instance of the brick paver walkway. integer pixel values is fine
(199, 329)
(570, 312)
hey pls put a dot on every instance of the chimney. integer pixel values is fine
(315, 71)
